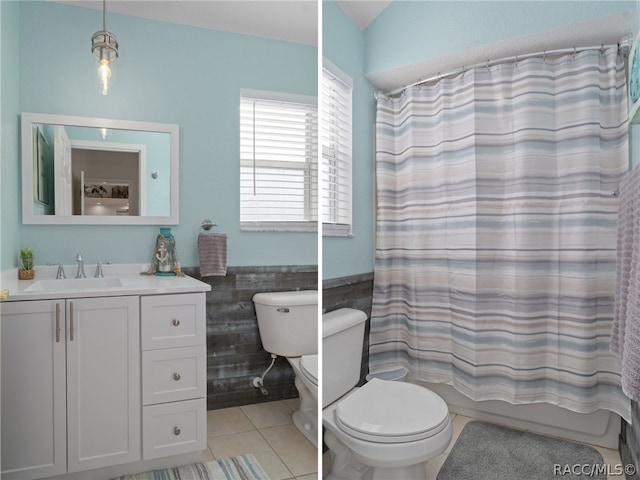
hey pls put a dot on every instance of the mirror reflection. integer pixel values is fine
(81, 170)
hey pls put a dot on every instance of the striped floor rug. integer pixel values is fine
(242, 467)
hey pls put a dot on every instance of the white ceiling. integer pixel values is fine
(363, 12)
(288, 20)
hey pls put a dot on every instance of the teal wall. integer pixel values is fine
(10, 135)
(411, 31)
(343, 44)
(166, 73)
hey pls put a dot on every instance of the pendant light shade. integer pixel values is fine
(104, 46)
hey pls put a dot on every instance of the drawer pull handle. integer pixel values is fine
(175, 322)
(176, 431)
(176, 376)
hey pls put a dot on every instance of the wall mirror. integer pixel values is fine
(95, 171)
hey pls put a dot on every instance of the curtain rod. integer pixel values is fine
(622, 47)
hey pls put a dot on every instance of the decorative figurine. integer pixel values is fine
(165, 257)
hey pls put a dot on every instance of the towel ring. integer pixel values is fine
(207, 224)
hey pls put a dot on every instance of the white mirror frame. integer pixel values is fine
(28, 215)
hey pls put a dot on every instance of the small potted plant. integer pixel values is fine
(25, 270)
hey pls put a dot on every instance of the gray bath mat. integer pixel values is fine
(491, 452)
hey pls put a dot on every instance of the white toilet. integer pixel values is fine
(288, 324)
(383, 430)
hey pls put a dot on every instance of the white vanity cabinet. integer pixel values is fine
(101, 377)
(70, 385)
(174, 377)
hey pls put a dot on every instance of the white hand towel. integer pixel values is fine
(212, 250)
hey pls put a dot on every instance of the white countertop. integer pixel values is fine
(131, 282)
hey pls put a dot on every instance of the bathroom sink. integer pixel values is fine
(65, 285)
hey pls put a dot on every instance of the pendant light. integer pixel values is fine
(104, 46)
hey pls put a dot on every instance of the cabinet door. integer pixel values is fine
(103, 382)
(33, 389)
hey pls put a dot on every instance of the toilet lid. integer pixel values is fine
(309, 367)
(392, 412)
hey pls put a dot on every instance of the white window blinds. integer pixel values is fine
(336, 153)
(278, 161)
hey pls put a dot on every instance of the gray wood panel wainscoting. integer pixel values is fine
(234, 350)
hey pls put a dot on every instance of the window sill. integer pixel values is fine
(278, 226)
(336, 230)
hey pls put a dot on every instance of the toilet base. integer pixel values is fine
(414, 472)
(345, 466)
(417, 472)
(305, 423)
(306, 417)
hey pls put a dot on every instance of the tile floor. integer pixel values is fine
(267, 431)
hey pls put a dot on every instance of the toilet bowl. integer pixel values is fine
(384, 429)
(389, 429)
(288, 324)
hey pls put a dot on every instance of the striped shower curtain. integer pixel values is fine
(496, 231)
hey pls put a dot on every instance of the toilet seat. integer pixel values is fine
(392, 412)
(309, 368)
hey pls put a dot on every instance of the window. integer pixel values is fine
(336, 152)
(278, 161)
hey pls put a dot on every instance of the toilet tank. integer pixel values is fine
(342, 342)
(288, 322)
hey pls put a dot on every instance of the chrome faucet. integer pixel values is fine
(80, 272)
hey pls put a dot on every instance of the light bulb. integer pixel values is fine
(104, 74)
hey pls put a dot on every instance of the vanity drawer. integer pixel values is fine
(173, 320)
(174, 374)
(174, 428)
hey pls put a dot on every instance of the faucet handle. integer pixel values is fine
(60, 273)
(99, 273)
